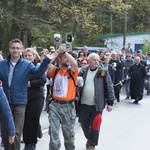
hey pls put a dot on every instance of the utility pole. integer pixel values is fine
(111, 30)
(125, 26)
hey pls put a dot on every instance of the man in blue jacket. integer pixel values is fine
(6, 116)
(14, 74)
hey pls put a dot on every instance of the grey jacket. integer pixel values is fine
(104, 91)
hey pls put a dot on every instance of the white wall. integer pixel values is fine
(116, 43)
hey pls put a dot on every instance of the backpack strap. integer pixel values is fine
(69, 72)
(70, 76)
(56, 71)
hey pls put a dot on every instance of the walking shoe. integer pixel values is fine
(2, 144)
(40, 134)
(127, 98)
(118, 100)
(89, 146)
(22, 141)
(31, 146)
(26, 147)
(136, 101)
(148, 94)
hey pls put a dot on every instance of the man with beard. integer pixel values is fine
(62, 108)
(137, 73)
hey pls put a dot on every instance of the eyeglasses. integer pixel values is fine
(17, 48)
(83, 63)
(128, 56)
(81, 54)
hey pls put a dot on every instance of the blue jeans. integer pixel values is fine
(127, 87)
(64, 115)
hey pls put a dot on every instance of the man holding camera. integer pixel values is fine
(62, 108)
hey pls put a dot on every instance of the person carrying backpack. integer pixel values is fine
(62, 107)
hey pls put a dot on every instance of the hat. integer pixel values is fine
(97, 122)
(52, 48)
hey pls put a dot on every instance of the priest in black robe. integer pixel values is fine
(137, 73)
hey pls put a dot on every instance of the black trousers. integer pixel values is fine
(87, 114)
(117, 91)
(31, 122)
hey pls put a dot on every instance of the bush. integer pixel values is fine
(146, 46)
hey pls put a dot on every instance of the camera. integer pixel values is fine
(57, 39)
(69, 38)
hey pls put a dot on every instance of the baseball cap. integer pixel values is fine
(52, 48)
(97, 122)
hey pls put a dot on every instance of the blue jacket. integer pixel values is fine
(5, 114)
(17, 92)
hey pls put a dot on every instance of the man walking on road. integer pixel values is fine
(137, 72)
(95, 93)
(62, 107)
(14, 74)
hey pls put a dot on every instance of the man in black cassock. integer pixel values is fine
(137, 72)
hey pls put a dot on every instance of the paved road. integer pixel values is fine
(127, 127)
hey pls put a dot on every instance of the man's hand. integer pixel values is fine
(11, 139)
(127, 77)
(62, 48)
(52, 56)
(145, 81)
(29, 85)
(109, 108)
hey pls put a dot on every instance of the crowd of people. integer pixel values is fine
(29, 79)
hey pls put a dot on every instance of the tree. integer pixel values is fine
(35, 22)
(146, 46)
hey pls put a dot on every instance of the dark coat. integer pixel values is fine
(103, 86)
(137, 74)
(36, 90)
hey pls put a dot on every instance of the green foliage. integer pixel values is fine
(39, 20)
(146, 47)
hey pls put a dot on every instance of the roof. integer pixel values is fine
(121, 34)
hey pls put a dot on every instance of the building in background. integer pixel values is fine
(115, 41)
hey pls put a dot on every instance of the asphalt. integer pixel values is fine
(127, 127)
